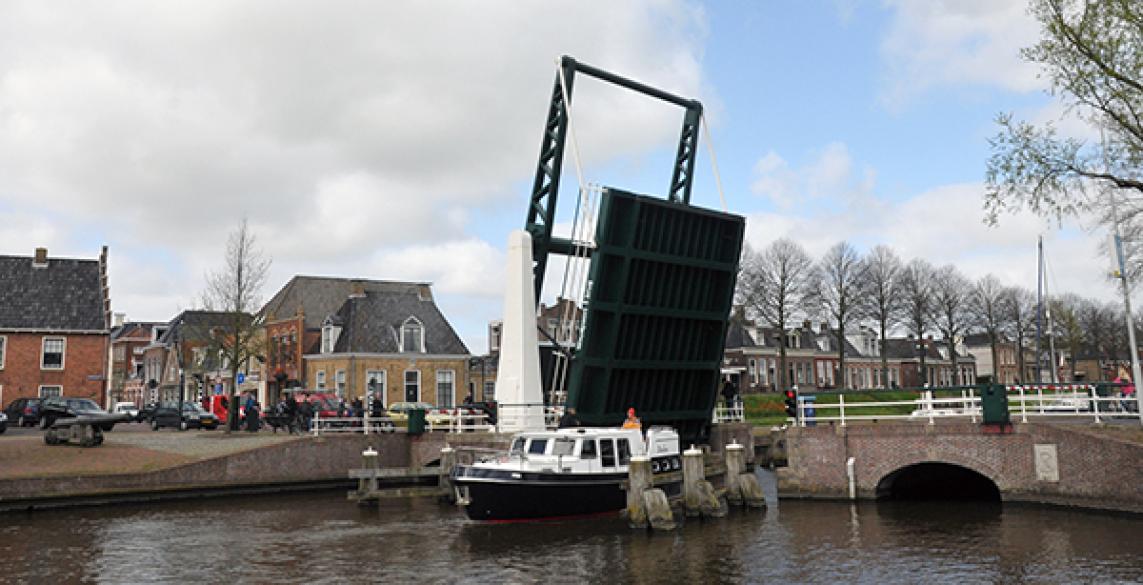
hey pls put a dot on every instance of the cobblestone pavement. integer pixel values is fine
(27, 455)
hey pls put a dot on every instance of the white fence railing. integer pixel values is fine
(1024, 403)
(723, 413)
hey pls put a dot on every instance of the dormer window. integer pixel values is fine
(329, 335)
(412, 336)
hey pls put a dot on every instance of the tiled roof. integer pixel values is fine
(193, 326)
(322, 296)
(66, 295)
(372, 322)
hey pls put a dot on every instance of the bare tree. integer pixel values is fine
(988, 313)
(918, 306)
(1065, 315)
(1019, 321)
(235, 289)
(774, 286)
(951, 293)
(841, 294)
(883, 275)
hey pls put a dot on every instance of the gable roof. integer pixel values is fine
(371, 323)
(67, 294)
(321, 296)
(193, 325)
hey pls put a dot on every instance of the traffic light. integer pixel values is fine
(792, 404)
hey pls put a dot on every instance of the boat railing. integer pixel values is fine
(466, 455)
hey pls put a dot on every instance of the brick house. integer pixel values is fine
(181, 362)
(55, 321)
(128, 344)
(341, 334)
(392, 340)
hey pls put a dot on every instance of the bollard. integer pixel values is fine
(638, 481)
(692, 475)
(735, 466)
(448, 461)
(367, 486)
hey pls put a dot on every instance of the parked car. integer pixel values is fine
(127, 408)
(3, 423)
(58, 407)
(146, 413)
(189, 416)
(24, 412)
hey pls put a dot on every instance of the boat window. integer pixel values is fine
(587, 451)
(537, 446)
(607, 451)
(563, 446)
(517, 446)
(624, 452)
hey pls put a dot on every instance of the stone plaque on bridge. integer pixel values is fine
(1047, 466)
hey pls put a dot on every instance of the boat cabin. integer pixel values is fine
(588, 450)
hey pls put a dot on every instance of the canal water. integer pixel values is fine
(322, 538)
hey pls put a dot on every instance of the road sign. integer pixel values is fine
(241, 377)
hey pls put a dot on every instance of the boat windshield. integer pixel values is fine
(563, 446)
(517, 446)
(537, 446)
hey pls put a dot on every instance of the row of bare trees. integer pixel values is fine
(782, 285)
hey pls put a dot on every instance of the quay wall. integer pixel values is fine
(1090, 468)
(314, 461)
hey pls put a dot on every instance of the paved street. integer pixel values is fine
(128, 448)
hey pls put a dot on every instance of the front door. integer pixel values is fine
(412, 386)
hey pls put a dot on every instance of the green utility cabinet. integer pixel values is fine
(417, 421)
(994, 404)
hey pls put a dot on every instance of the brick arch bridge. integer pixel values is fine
(1067, 464)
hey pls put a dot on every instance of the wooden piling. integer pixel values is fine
(638, 480)
(735, 466)
(448, 461)
(658, 509)
(692, 475)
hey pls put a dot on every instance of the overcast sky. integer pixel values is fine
(398, 140)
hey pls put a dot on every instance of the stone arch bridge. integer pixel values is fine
(1093, 466)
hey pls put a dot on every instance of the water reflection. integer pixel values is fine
(322, 538)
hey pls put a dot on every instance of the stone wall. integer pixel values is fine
(307, 460)
(1092, 469)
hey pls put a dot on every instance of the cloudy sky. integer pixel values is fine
(397, 140)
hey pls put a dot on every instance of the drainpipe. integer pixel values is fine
(849, 464)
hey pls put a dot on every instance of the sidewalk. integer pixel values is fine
(28, 456)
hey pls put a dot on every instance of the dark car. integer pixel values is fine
(190, 416)
(58, 407)
(23, 412)
(146, 413)
(3, 422)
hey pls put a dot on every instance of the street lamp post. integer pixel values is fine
(922, 378)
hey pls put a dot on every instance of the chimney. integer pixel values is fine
(41, 258)
(119, 319)
(357, 291)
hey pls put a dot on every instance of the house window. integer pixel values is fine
(446, 388)
(412, 336)
(53, 355)
(51, 391)
(412, 386)
(375, 384)
(339, 379)
(3, 348)
(321, 379)
(489, 390)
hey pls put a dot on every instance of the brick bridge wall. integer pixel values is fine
(1095, 469)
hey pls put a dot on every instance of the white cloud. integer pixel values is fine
(948, 44)
(345, 134)
(829, 175)
(944, 226)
